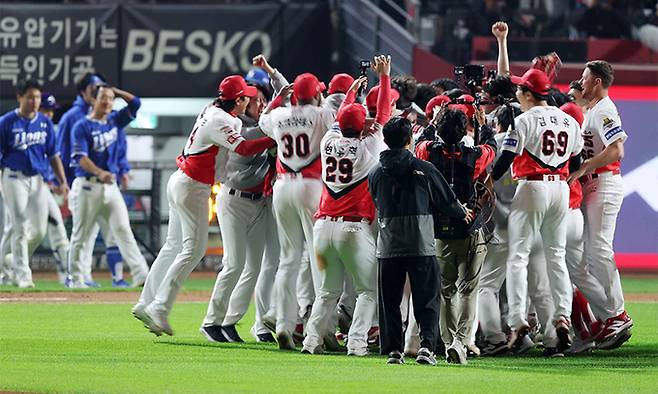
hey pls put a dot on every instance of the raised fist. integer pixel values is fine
(500, 30)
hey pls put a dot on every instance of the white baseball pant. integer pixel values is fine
(602, 199)
(295, 201)
(56, 234)
(242, 226)
(340, 247)
(305, 288)
(539, 208)
(187, 238)
(26, 202)
(265, 284)
(93, 200)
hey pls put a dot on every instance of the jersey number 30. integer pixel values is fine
(295, 145)
(344, 167)
(551, 143)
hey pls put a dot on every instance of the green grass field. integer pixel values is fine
(101, 348)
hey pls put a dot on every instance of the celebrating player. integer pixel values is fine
(343, 237)
(541, 146)
(201, 164)
(602, 198)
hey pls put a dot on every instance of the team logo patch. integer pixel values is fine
(613, 132)
(510, 142)
(607, 122)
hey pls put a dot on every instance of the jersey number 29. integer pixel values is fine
(344, 167)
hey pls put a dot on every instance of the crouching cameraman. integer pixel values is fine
(460, 247)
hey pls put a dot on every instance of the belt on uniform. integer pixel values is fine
(247, 195)
(545, 177)
(92, 178)
(353, 219)
(589, 177)
(16, 173)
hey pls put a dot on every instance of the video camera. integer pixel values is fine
(472, 77)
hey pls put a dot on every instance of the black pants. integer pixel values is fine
(425, 278)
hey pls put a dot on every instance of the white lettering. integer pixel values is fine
(223, 50)
(163, 49)
(196, 50)
(139, 45)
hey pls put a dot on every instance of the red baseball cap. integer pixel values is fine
(306, 86)
(535, 80)
(575, 111)
(234, 86)
(340, 83)
(353, 116)
(371, 98)
(436, 101)
(467, 109)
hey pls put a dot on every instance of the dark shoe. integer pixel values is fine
(563, 338)
(425, 357)
(285, 341)
(213, 333)
(494, 349)
(265, 338)
(395, 357)
(552, 352)
(231, 334)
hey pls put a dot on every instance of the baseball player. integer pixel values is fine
(602, 197)
(27, 149)
(298, 131)
(344, 240)
(244, 208)
(337, 89)
(99, 154)
(541, 146)
(80, 109)
(201, 164)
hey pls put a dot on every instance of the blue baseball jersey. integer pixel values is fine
(27, 145)
(78, 111)
(104, 142)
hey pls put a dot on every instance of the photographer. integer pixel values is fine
(460, 247)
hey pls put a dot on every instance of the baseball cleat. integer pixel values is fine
(140, 314)
(472, 350)
(456, 353)
(25, 284)
(265, 338)
(581, 346)
(494, 349)
(362, 352)
(330, 343)
(552, 352)
(160, 320)
(92, 284)
(213, 333)
(75, 284)
(121, 284)
(395, 357)
(562, 331)
(231, 334)
(615, 341)
(425, 357)
(519, 341)
(615, 332)
(285, 341)
(312, 350)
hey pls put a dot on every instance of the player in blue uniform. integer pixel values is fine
(81, 108)
(27, 149)
(99, 157)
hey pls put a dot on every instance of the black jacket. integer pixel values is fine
(406, 191)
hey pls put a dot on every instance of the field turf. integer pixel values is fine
(100, 348)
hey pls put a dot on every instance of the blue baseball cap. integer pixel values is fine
(257, 76)
(48, 101)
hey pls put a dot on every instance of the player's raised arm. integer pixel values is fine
(500, 30)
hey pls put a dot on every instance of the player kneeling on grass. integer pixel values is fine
(406, 192)
(201, 164)
(99, 152)
(460, 248)
(343, 235)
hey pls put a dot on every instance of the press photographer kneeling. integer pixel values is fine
(460, 247)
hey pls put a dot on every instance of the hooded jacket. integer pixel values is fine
(406, 191)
